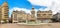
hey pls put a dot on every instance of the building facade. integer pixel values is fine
(4, 10)
(14, 16)
(56, 17)
(19, 16)
(44, 16)
(22, 17)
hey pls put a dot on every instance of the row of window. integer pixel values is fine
(6, 17)
(44, 14)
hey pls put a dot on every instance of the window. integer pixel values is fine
(44, 14)
(15, 19)
(19, 19)
(15, 16)
(50, 14)
(38, 15)
(5, 15)
(32, 16)
(22, 21)
(38, 18)
(33, 12)
(32, 20)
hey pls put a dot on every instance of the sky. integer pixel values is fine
(26, 5)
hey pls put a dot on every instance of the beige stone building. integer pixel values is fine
(44, 16)
(14, 16)
(19, 16)
(22, 17)
(4, 10)
(29, 17)
(56, 17)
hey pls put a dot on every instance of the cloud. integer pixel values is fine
(53, 5)
(40, 2)
(55, 8)
(43, 2)
(18, 9)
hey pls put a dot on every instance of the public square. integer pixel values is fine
(50, 25)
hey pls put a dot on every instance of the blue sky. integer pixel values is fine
(26, 5)
(21, 4)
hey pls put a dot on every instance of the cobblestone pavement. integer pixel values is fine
(52, 25)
